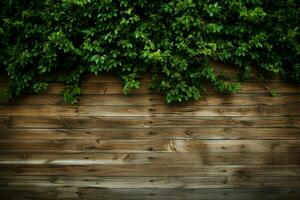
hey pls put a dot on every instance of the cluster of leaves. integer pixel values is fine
(46, 41)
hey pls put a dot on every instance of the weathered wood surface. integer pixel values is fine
(110, 146)
(66, 193)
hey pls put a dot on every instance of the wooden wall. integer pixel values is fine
(109, 146)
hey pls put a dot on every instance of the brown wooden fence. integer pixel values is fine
(110, 146)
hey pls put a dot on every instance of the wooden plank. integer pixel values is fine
(109, 77)
(37, 99)
(30, 193)
(147, 122)
(101, 78)
(4, 122)
(157, 99)
(95, 88)
(193, 158)
(174, 111)
(160, 111)
(154, 133)
(150, 170)
(101, 88)
(151, 182)
(247, 87)
(188, 194)
(250, 99)
(151, 158)
(117, 88)
(28, 110)
(113, 88)
(230, 146)
(280, 87)
(43, 193)
(144, 146)
(146, 76)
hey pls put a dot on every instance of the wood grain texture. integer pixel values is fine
(154, 111)
(177, 170)
(157, 99)
(109, 146)
(145, 146)
(151, 158)
(178, 133)
(152, 182)
(146, 122)
(50, 193)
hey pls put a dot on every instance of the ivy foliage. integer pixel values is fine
(46, 41)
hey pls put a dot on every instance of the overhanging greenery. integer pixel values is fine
(46, 41)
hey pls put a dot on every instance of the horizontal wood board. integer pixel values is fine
(244, 146)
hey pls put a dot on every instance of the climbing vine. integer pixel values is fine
(45, 41)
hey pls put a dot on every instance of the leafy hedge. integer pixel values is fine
(59, 40)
